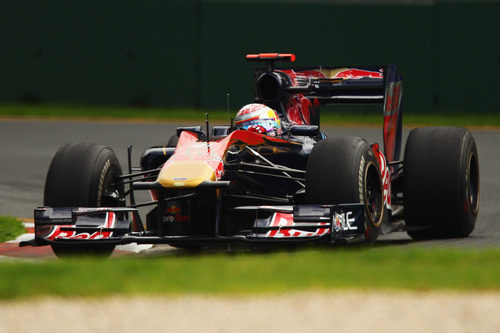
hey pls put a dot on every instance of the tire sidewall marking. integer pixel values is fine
(361, 179)
(100, 189)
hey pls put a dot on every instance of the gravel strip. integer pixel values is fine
(303, 312)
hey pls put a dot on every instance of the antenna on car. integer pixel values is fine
(206, 122)
(227, 106)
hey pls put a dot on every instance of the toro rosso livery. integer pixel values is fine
(271, 176)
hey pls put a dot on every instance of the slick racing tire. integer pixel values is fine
(345, 170)
(440, 183)
(83, 175)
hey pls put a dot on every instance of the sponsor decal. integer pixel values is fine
(174, 214)
(173, 209)
(359, 74)
(344, 221)
(286, 220)
(57, 233)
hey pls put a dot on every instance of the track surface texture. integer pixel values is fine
(27, 147)
(303, 312)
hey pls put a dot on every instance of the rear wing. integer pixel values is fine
(334, 85)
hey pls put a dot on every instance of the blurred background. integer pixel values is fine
(190, 54)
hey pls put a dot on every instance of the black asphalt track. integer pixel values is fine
(27, 147)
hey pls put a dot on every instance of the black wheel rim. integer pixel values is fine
(472, 183)
(373, 195)
(112, 192)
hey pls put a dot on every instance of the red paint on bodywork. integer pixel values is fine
(391, 117)
(271, 56)
(299, 110)
(385, 173)
(190, 148)
(354, 73)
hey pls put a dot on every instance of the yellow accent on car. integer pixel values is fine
(185, 174)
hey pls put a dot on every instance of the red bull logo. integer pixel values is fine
(353, 73)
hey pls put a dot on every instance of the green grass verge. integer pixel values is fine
(104, 112)
(328, 116)
(409, 268)
(10, 228)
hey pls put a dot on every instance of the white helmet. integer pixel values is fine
(258, 118)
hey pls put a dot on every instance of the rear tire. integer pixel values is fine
(345, 170)
(441, 182)
(83, 175)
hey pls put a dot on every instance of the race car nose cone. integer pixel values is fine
(185, 174)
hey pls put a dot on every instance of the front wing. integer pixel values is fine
(272, 224)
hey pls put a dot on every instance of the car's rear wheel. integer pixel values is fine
(441, 182)
(83, 175)
(345, 170)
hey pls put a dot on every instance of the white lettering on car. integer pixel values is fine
(343, 221)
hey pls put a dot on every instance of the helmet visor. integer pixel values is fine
(268, 124)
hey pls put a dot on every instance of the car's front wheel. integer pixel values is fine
(83, 175)
(345, 170)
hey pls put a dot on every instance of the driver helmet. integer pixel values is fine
(258, 118)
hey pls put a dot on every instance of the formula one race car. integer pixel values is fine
(272, 177)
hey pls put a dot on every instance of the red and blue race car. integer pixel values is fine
(271, 177)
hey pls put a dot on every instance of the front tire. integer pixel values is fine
(345, 170)
(441, 182)
(83, 175)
